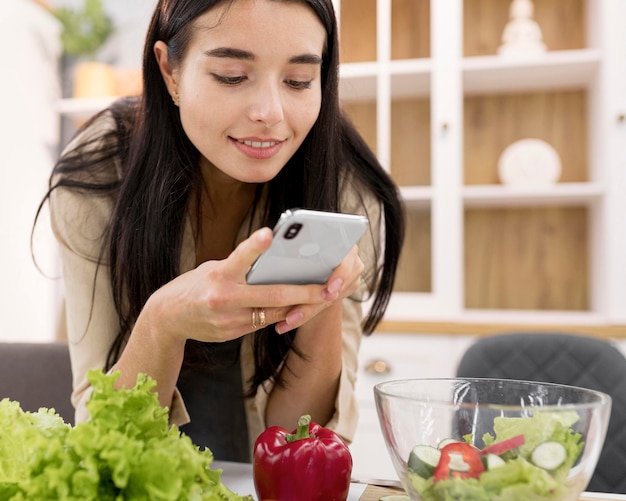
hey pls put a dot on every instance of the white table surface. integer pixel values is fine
(238, 477)
(600, 495)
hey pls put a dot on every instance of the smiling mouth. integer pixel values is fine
(258, 144)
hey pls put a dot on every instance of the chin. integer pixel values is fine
(261, 176)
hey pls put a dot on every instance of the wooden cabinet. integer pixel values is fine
(424, 83)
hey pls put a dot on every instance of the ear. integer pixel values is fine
(169, 75)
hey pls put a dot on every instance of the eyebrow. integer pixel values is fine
(232, 53)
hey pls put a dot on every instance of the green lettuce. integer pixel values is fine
(520, 480)
(543, 427)
(517, 480)
(125, 452)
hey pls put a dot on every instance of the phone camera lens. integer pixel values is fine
(292, 231)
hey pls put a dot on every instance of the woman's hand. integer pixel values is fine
(213, 302)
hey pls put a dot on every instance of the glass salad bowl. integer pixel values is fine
(492, 439)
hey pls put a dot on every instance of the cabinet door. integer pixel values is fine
(387, 77)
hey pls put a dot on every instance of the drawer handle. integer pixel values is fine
(378, 367)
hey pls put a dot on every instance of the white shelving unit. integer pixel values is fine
(446, 78)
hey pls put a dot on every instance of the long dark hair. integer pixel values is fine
(161, 168)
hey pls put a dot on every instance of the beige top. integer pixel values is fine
(78, 221)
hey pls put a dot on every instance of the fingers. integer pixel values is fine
(214, 303)
(275, 303)
(244, 255)
(298, 317)
(256, 318)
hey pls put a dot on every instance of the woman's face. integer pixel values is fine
(249, 85)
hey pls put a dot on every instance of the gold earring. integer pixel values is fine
(176, 98)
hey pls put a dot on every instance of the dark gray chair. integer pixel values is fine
(37, 375)
(565, 359)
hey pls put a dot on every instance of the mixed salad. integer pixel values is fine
(528, 458)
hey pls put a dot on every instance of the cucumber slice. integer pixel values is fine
(445, 442)
(423, 460)
(492, 461)
(549, 455)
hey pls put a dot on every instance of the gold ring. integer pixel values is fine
(261, 317)
(253, 323)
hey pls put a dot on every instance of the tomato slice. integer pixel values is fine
(504, 446)
(458, 460)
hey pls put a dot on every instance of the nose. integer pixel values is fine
(267, 105)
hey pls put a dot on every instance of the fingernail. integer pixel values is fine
(335, 286)
(261, 235)
(289, 322)
(294, 318)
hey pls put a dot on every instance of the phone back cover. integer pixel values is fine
(311, 256)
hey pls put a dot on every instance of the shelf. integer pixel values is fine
(401, 309)
(562, 70)
(567, 69)
(417, 197)
(408, 78)
(357, 81)
(485, 196)
(560, 194)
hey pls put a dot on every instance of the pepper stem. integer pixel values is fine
(302, 431)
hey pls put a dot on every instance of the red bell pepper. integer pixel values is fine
(460, 460)
(312, 463)
(504, 446)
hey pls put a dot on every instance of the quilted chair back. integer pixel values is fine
(565, 359)
(37, 375)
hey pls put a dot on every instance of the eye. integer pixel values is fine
(299, 84)
(228, 80)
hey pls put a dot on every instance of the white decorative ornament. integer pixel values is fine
(522, 35)
(529, 162)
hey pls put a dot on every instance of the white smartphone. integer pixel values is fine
(307, 246)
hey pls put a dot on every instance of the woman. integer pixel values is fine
(162, 203)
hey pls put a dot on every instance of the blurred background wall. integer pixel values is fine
(31, 134)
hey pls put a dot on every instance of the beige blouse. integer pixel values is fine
(78, 221)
